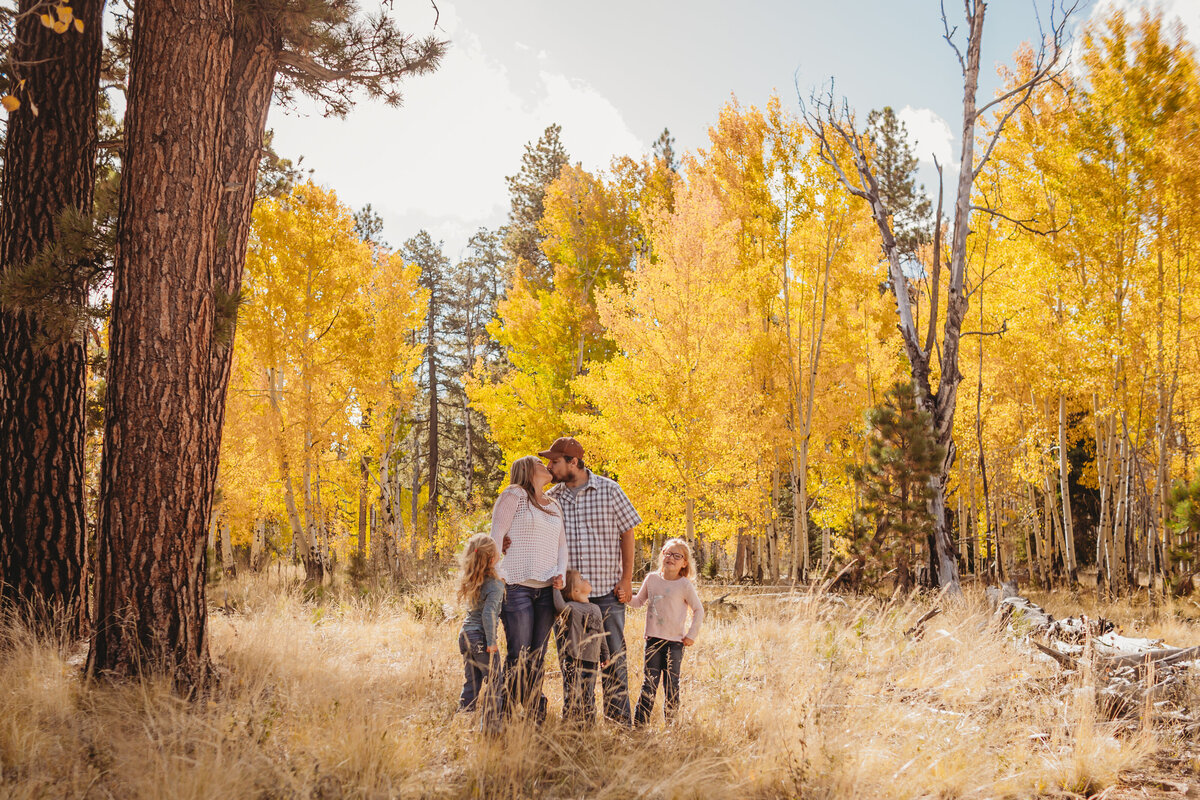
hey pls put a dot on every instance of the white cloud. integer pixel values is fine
(1186, 11)
(930, 136)
(440, 160)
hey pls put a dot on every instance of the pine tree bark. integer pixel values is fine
(255, 50)
(49, 165)
(155, 486)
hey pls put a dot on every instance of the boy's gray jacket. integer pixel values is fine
(583, 627)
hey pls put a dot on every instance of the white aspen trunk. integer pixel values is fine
(773, 566)
(802, 509)
(689, 512)
(975, 530)
(1052, 524)
(416, 494)
(739, 558)
(227, 562)
(363, 505)
(798, 569)
(1120, 567)
(301, 544)
(964, 553)
(313, 563)
(258, 545)
(1037, 557)
(1064, 469)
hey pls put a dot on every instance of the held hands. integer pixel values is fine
(624, 590)
(494, 648)
(688, 642)
(505, 545)
(557, 583)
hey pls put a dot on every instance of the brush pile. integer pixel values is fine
(1134, 677)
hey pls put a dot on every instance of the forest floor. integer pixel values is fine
(354, 696)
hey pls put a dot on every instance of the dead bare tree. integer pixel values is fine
(839, 142)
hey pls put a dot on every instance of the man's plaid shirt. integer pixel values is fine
(594, 519)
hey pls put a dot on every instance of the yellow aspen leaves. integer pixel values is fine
(10, 103)
(62, 20)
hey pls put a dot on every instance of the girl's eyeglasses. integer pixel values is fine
(673, 556)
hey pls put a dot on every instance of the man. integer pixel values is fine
(599, 520)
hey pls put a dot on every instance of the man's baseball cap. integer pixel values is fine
(563, 446)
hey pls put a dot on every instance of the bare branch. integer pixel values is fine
(1000, 332)
(1020, 223)
(949, 37)
(931, 334)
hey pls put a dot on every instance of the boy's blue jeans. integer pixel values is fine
(615, 674)
(579, 689)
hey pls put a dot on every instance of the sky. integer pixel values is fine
(614, 74)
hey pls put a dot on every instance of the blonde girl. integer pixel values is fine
(482, 591)
(669, 594)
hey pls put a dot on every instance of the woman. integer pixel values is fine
(535, 561)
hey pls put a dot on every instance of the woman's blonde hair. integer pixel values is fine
(478, 563)
(521, 475)
(686, 570)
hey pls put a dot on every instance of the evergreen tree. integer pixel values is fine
(422, 251)
(894, 487)
(474, 288)
(50, 81)
(369, 226)
(664, 150)
(1184, 505)
(540, 165)
(896, 167)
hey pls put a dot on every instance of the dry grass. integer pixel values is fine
(349, 698)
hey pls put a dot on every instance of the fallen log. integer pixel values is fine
(918, 627)
(1164, 657)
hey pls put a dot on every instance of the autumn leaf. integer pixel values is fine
(10, 103)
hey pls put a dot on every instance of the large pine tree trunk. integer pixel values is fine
(49, 165)
(247, 100)
(155, 483)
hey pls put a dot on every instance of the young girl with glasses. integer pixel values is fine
(669, 595)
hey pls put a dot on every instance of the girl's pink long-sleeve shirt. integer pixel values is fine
(667, 607)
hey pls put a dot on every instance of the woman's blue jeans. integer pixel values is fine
(528, 616)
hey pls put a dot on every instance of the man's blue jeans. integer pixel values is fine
(615, 674)
(528, 616)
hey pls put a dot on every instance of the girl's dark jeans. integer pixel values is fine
(482, 679)
(663, 658)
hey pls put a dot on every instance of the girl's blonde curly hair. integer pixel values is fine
(478, 563)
